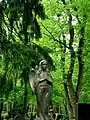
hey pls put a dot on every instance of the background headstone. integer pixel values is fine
(83, 111)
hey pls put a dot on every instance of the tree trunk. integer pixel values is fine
(1, 108)
(25, 98)
(25, 73)
(69, 106)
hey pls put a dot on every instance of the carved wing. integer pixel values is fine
(32, 77)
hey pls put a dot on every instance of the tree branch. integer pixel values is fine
(67, 96)
(16, 33)
(64, 44)
(81, 62)
(72, 53)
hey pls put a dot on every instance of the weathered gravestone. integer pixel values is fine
(41, 84)
(83, 111)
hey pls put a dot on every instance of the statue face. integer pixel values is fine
(44, 66)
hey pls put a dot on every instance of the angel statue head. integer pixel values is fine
(43, 65)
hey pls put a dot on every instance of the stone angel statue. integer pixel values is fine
(41, 84)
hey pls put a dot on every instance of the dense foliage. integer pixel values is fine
(55, 30)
